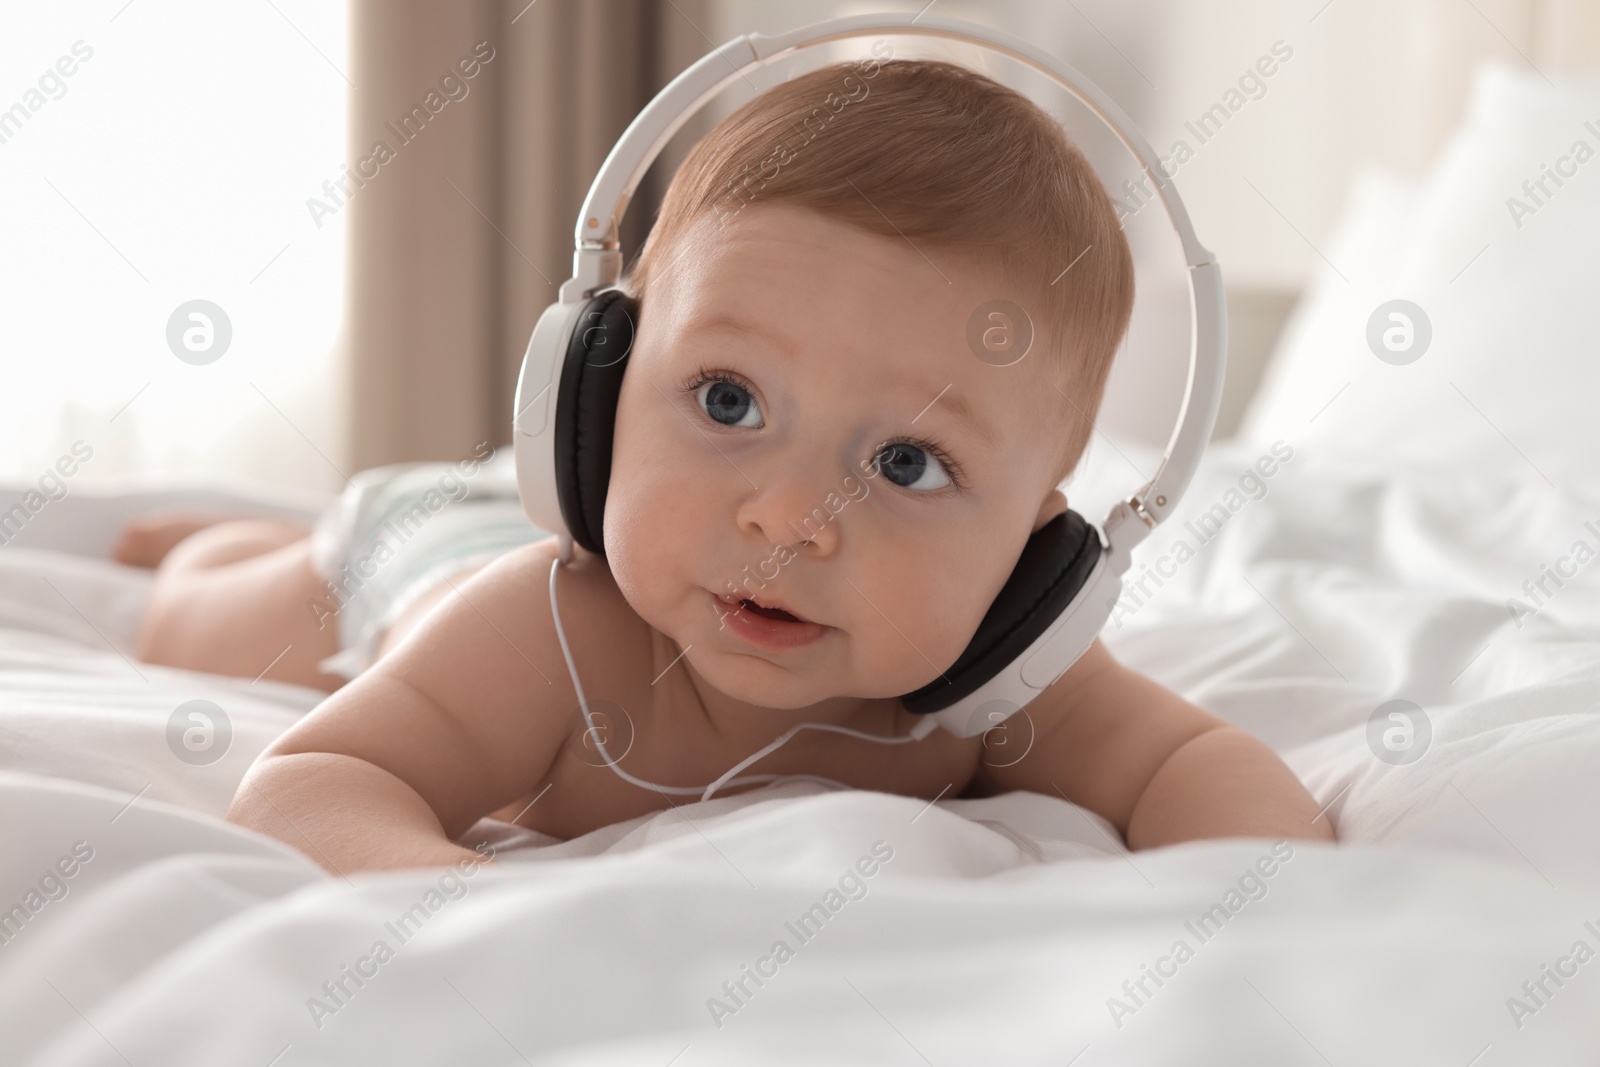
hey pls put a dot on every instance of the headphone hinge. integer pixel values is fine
(594, 267)
(1122, 533)
(1136, 502)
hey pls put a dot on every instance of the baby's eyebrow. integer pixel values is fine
(726, 323)
(953, 402)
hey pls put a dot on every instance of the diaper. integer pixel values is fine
(398, 531)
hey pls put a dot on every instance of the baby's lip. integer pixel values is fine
(737, 604)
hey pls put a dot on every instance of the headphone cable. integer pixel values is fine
(918, 732)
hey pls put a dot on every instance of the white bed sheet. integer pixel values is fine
(1001, 929)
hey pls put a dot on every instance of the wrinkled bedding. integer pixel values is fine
(1012, 929)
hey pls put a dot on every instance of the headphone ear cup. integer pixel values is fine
(1053, 567)
(586, 412)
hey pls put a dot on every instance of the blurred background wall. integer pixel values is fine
(205, 152)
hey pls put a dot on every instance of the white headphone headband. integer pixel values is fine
(597, 259)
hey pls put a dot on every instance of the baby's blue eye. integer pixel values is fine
(729, 404)
(906, 465)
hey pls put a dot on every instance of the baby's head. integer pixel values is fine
(810, 417)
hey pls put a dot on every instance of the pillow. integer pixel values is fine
(1501, 369)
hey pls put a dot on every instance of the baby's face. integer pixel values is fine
(776, 359)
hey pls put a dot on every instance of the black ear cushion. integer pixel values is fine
(586, 412)
(1054, 565)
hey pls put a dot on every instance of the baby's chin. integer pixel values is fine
(771, 687)
(741, 684)
(763, 683)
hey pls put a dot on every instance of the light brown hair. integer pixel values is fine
(950, 160)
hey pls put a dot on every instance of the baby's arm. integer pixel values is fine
(1159, 768)
(454, 723)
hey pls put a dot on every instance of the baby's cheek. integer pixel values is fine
(644, 541)
(662, 544)
(934, 604)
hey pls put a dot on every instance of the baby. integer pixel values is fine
(801, 402)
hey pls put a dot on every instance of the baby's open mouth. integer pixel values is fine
(769, 626)
(771, 613)
(766, 611)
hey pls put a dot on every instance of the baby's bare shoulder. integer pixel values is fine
(505, 611)
(476, 703)
(596, 618)
(1100, 732)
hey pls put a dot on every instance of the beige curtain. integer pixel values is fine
(494, 118)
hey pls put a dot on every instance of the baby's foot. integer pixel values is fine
(146, 540)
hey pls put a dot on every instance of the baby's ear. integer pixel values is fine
(1054, 504)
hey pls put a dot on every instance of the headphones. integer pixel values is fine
(1069, 574)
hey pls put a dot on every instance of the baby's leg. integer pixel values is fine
(146, 539)
(232, 599)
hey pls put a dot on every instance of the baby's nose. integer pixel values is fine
(793, 508)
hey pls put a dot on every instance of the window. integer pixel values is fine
(152, 155)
